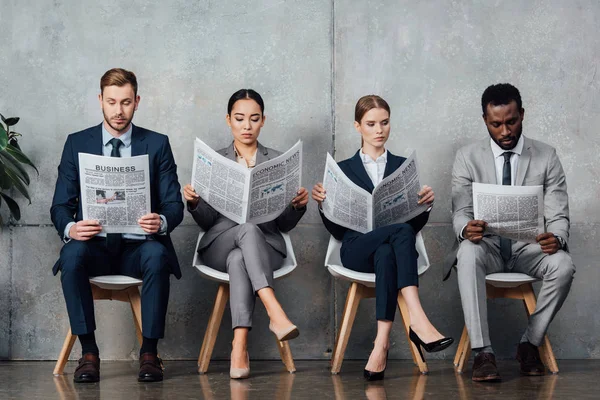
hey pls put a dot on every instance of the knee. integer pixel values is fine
(561, 266)
(250, 230)
(403, 231)
(154, 258)
(470, 256)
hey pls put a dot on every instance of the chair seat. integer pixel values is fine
(509, 279)
(289, 263)
(115, 282)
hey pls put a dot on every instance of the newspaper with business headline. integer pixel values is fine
(514, 212)
(394, 200)
(254, 195)
(115, 191)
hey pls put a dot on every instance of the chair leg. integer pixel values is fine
(352, 301)
(65, 352)
(406, 322)
(135, 301)
(286, 355)
(212, 330)
(465, 351)
(459, 348)
(545, 349)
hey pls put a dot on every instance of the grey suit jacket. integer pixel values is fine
(538, 165)
(213, 223)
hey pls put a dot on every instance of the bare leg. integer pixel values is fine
(381, 345)
(418, 320)
(278, 318)
(239, 348)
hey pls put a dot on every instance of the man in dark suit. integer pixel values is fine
(89, 252)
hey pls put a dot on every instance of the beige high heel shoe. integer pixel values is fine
(240, 373)
(289, 333)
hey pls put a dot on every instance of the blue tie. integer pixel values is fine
(506, 244)
(114, 241)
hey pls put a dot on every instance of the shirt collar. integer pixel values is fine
(366, 159)
(125, 138)
(498, 151)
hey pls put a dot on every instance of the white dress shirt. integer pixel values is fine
(375, 168)
(514, 160)
(125, 151)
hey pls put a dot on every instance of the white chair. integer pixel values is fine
(508, 285)
(214, 322)
(362, 287)
(108, 287)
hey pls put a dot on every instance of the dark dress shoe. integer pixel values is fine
(88, 369)
(484, 368)
(150, 368)
(530, 360)
(376, 376)
(431, 347)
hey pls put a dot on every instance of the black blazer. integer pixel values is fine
(164, 186)
(355, 170)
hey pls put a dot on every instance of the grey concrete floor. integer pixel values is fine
(34, 380)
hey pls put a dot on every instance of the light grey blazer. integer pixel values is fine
(213, 223)
(538, 165)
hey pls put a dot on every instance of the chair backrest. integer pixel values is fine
(333, 258)
(509, 279)
(289, 263)
(115, 282)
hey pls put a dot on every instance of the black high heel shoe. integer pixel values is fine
(431, 347)
(376, 376)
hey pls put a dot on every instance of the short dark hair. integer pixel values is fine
(499, 95)
(118, 77)
(243, 94)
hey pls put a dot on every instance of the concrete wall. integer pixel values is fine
(311, 61)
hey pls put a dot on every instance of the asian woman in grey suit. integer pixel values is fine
(249, 253)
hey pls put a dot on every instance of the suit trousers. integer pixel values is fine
(390, 252)
(141, 259)
(475, 261)
(245, 255)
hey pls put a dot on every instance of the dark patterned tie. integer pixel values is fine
(506, 244)
(114, 241)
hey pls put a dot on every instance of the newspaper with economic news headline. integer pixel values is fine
(254, 195)
(115, 191)
(393, 201)
(514, 212)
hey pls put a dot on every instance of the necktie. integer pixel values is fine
(506, 244)
(114, 240)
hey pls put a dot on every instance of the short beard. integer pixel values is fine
(115, 128)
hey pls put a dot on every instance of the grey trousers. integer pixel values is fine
(475, 261)
(245, 255)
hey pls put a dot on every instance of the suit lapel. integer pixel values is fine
(393, 163)
(523, 162)
(489, 164)
(262, 154)
(356, 165)
(94, 144)
(138, 142)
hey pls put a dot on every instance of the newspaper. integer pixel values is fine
(514, 212)
(254, 195)
(115, 191)
(393, 201)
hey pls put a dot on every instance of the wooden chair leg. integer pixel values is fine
(465, 354)
(459, 348)
(352, 301)
(545, 349)
(406, 322)
(212, 330)
(135, 301)
(65, 352)
(286, 355)
(284, 387)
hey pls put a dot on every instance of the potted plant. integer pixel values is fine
(12, 171)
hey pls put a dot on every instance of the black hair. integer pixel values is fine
(499, 95)
(245, 94)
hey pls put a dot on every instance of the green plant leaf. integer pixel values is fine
(18, 184)
(12, 164)
(5, 182)
(3, 138)
(11, 121)
(3, 119)
(20, 156)
(12, 206)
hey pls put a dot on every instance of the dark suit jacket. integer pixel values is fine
(164, 185)
(355, 170)
(213, 223)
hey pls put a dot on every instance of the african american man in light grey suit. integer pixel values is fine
(508, 158)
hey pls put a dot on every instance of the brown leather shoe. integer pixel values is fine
(530, 360)
(88, 369)
(150, 368)
(484, 368)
